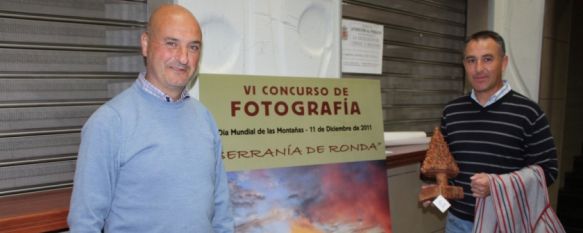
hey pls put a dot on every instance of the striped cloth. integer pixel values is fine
(518, 202)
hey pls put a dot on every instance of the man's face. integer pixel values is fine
(484, 64)
(172, 49)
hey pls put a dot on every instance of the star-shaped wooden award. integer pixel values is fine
(439, 163)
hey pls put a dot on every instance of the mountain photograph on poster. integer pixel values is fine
(340, 198)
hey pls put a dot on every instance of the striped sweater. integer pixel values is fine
(503, 137)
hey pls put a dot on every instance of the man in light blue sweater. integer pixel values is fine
(149, 159)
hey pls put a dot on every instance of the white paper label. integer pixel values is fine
(441, 203)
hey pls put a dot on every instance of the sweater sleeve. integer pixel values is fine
(96, 172)
(540, 148)
(223, 219)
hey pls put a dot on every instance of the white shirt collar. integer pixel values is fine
(498, 95)
(153, 90)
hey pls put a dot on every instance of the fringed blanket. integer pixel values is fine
(519, 203)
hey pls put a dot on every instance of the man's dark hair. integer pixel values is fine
(488, 34)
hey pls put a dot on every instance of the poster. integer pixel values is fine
(302, 154)
(362, 47)
(342, 197)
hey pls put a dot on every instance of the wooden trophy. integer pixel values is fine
(439, 163)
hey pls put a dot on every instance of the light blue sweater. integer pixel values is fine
(150, 166)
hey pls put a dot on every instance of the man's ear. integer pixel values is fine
(144, 39)
(504, 63)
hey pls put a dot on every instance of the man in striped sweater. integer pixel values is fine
(493, 130)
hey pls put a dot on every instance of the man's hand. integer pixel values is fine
(480, 185)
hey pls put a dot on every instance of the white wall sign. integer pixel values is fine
(362, 47)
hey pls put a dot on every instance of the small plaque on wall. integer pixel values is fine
(362, 47)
